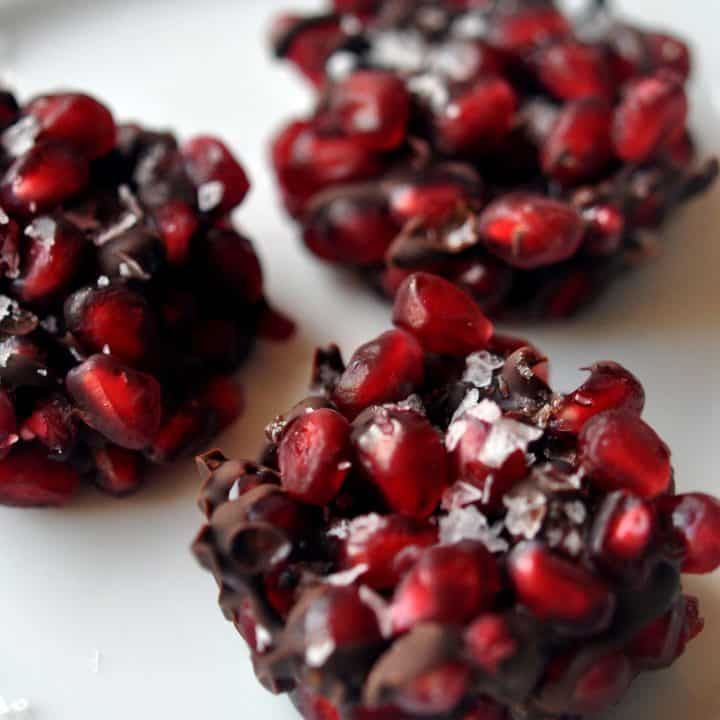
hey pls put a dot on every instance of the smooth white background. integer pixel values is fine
(116, 577)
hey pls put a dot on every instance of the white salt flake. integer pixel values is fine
(127, 221)
(402, 51)
(526, 514)
(4, 219)
(430, 88)
(42, 372)
(317, 653)
(347, 577)
(20, 137)
(461, 494)
(576, 511)
(480, 368)
(470, 524)
(263, 638)
(42, 229)
(103, 281)
(106, 350)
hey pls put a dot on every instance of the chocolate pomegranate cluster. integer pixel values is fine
(525, 155)
(435, 533)
(126, 298)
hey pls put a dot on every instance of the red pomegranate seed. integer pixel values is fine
(609, 387)
(182, 433)
(119, 402)
(314, 456)
(579, 146)
(51, 423)
(443, 318)
(210, 162)
(402, 455)
(384, 545)
(605, 225)
(626, 528)
(653, 113)
(528, 231)
(8, 424)
(602, 684)
(564, 297)
(113, 318)
(476, 119)
(519, 31)
(354, 230)
(372, 107)
(668, 52)
(449, 584)
(572, 70)
(118, 470)
(309, 45)
(9, 247)
(28, 478)
(386, 369)
(76, 119)
(52, 259)
(558, 590)
(233, 265)
(490, 642)
(178, 224)
(45, 176)
(225, 397)
(435, 692)
(356, 7)
(695, 518)
(621, 452)
(486, 709)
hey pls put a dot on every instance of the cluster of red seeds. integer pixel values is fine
(435, 532)
(523, 155)
(126, 298)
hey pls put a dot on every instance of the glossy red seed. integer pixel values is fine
(521, 30)
(443, 318)
(652, 114)
(572, 70)
(383, 544)
(602, 684)
(627, 530)
(8, 424)
(178, 224)
(9, 247)
(114, 318)
(621, 452)
(609, 387)
(528, 231)
(210, 161)
(52, 424)
(45, 176)
(225, 398)
(119, 471)
(490, 642)
(695, 518)
(476, 119)
(182, 434)
(354, 230)
(435, 692)
(29, 479)
(234, 265)
(372, 107)
(52, 258)
(558, 590)
(402, 456)
(76, 119)
(579, 146)
(123, 404)
(449, 584)
(314, 456)
(386, 369)
(668, 52)
(605, 226)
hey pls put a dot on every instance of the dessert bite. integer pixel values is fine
(127, 299)
(435, 532)
(524, 154)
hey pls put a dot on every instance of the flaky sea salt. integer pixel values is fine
(469, 523)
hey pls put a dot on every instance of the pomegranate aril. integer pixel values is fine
(442, 317)
(490, 642)
(112, 319)
(119, 471)
(602, 684)
(314, 456)
(29, 479)
(45, 176)
(9, 247)
(210, 163)
(554, 589)
(372, 107)
(624, 528)
(695, 520)
(609, 387)
(521, 30)
(76, 119)
(652, 114)
(436, 691)
(234, 266)
(183, 433)
(579, 147)
(121, 403)
(621, 452)
(475, 119)
(177, 223)
(449, 584)
(528, 231)
(383, 545)
(386, 369)
(605, 226)
(402, 456)
(51, 423)
(668, 52)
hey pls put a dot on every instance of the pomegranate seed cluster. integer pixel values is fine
(435, 533)
(126, 298)
(525, 155)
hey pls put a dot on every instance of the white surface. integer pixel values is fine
(116, 578)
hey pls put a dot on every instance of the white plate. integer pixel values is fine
(116, 578)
